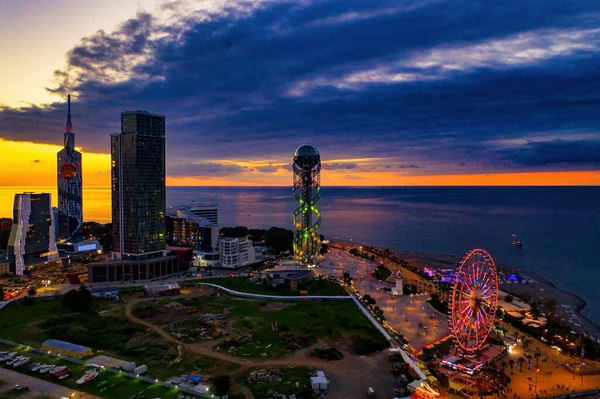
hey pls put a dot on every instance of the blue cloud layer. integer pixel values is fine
(425, 83)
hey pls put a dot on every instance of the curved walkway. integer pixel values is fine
(277, 297)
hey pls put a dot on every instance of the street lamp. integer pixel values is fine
(536, 377)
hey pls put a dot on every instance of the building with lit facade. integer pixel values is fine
(32, 240)
(182, 232)
(70, 197)
(236, 252)
(208, 212)
(138, 202)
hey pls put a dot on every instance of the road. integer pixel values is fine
(39, 386)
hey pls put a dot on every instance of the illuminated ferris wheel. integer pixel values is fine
(474, 300)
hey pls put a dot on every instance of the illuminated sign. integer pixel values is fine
(86, 247)
(48, 254)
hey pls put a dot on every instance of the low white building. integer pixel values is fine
(206, 259)
(236, 252)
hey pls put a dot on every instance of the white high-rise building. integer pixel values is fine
(209, 212)
(32, 237)
(236, 252)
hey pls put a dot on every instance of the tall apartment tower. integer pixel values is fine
(138, 187)
(70, 198)
(32, 240)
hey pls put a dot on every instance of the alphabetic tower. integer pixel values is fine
(307, 192)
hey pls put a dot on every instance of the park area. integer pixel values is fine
(105, 329)
(263, 328)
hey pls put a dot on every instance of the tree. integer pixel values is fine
(508, 299)
(369, 300)
(346, 275)
(503, 365)
(521, 360)
(550, 306)
(1, 293)
(78, 300)
(32, 291)
(537, 358)
(323, 249)
(511, 363)
(222, 384)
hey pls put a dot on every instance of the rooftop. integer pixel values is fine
(105, 289)
(291, 274)
(66, 346)
(307, 150)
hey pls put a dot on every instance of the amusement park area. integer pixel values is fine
(468, 337)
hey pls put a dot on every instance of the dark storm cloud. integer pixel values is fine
(340, 165)
(215, 169)
(554, 152)
(433, 80)
(410, 166)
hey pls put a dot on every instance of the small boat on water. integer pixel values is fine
(62, 377)
(36, 367)
(517, 243)
(88, 376)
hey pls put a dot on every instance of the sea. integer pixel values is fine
(559, 226)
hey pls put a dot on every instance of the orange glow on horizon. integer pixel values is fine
(32, 167)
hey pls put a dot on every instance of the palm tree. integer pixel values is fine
(511, 363)
(32, 291)
(503, 365)
(537, 358)
(521, 360)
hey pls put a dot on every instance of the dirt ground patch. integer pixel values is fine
(277, 306)
(326, 353)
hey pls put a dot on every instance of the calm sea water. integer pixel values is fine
(559, 226)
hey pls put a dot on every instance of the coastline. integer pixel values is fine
(569, 305)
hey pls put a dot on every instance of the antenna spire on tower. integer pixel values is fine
(69, 124)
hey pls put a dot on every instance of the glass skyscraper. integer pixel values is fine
(138, 186)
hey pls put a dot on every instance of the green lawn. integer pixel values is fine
(294, 380)
(107, 385)
(16, 318)
(33, 324)
(381, 273)
(91, 329)
(241, 284)
(325, 319)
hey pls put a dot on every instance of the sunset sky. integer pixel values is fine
(414, 92)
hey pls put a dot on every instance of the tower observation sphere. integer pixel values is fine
(307, 192)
